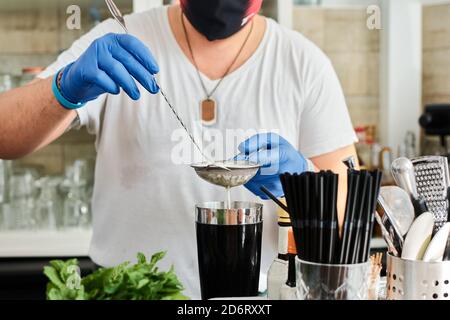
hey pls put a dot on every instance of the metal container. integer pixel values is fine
(332, 282)
(417, 280)
(236, 173)
(229, 248)
(216, 213)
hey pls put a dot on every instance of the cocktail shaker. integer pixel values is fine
(229, 248)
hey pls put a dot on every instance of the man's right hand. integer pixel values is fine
(110, 63)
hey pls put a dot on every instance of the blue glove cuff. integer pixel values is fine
(59, 97)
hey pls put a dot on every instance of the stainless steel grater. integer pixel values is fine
(432, 178)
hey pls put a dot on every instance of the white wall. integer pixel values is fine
(401, 70)
(434, 2)
(142, 5)
(350, 2)
(285, 16)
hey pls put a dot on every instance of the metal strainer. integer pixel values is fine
(238, 173)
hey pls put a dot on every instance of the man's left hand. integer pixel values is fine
(276, 156)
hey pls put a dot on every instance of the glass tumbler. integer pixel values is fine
(332, 282)
(77, 211)
(48, 205)
(22, 202)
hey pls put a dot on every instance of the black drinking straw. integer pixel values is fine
(308, 214)
(321, 217)
(306, 201)
(312, 218)
(358, 216)
(376, 183)
(315, 218)
(326, 217)
(367, 218)
(353, 213)
(362, 214)
(293, 211)
(364, 253)
(348, 205)
(304, 207)
(364, 222)
(288, 196)
(296, 193)
(334, 233)
(274, 199)
(326, 222)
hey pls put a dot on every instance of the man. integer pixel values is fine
(245, 71)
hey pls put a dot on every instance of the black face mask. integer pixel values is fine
(219, 19)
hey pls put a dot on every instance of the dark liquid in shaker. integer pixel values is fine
(229, 259)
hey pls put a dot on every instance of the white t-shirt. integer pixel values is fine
(145, 192)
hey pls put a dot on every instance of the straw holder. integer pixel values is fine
(317, 281)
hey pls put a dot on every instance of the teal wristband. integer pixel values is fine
(59, 97)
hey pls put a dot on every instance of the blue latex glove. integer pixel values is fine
(110, 63)
(276, 156)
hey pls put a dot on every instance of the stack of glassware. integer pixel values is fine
(31, 202)
(77, 186)
(5, 169)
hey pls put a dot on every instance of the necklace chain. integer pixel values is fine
(209, 95)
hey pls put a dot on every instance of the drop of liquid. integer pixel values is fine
(228, 189)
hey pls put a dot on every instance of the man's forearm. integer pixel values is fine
(30, 118)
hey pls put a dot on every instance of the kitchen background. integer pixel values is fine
(34, 32)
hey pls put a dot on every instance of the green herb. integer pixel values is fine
(142, 281)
